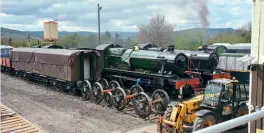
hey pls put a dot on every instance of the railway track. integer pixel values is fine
(15, 123)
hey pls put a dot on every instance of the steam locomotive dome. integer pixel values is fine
(200, 60)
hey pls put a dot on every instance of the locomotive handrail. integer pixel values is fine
(221, 127)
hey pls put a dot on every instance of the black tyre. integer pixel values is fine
(242, 110)
(203, 122)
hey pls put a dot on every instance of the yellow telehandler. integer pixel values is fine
(223, 99)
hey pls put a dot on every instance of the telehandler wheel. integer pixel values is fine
(142, 104)
(119, 98)
(242, 110)
(98, 93)
(203, 122)
(108, 98)
(104, 83)
(86, 90)
(113, 84)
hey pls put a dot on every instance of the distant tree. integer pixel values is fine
(108, 34)
(10, 42)
(157, 31)
(117, 36)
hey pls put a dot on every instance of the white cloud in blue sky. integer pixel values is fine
(120, 15)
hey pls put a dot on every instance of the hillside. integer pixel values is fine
(21, 35)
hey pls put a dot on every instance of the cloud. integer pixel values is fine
(118, 15)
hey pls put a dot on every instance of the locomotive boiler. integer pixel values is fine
(156, 62)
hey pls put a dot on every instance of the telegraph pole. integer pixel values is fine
(98, 10)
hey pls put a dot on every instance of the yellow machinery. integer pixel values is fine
(179, 113)
(223, 99)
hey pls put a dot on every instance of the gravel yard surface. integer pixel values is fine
(59, 112)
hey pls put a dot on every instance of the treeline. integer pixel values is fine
(75, 41)
(91, 41)
(157, 31)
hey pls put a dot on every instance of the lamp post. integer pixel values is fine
(98, 10)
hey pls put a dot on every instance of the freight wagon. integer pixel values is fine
(69, 70)
(5, 59)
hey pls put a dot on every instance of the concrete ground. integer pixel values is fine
(57, 112)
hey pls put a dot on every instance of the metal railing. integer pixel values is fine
(221, 127)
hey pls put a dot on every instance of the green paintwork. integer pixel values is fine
(141, 59)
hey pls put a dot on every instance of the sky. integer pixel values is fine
(120, 15)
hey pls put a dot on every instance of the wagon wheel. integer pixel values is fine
(127, 93)
(86, 90)
(97, 91)
(134, 90)
(104, 83)
(142, 105)
(108, 98)
(160, 101)
(114, 84)
(119, 98)
(73, 91)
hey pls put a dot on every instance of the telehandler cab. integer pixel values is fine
(223, 99)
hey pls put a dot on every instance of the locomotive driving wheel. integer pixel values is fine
(119, 98)
(97, 91)
(113, 84)
(134, 90)
(104, 83)
(108, 98)
(142, 104)
(86, 90)
(160, 101)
